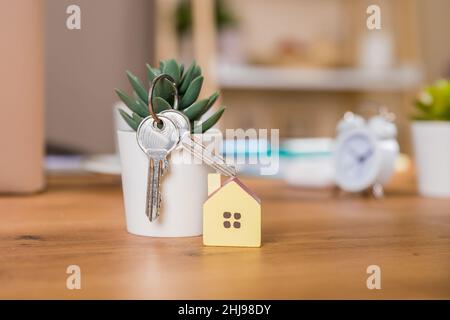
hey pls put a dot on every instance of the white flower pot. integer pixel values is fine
(184, 190)
(432, 154)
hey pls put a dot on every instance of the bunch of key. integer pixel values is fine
(158, 135)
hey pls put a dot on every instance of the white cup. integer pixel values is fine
(184, 190)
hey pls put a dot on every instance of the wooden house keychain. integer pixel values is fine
(231, 214)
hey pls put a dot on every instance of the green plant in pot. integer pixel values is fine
(185, 184)
(189, 84)
(431, 138)
(433, 103)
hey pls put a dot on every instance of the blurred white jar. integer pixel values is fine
(432, 154)
(376, 51)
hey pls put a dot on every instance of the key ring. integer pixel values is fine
(150, 95)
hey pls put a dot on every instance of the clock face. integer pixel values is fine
(357, 160)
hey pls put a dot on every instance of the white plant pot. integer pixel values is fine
(184, 190)
(432, 153)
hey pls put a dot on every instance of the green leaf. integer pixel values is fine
(213, 98)
(132, 104)
(159, 104)
(211, 102)
(193, 72)
(172, 69)
(208, 124)
(142, 105)
(197, 71)
(181, 71)
(164, 90)
(434, 102)
(129, 120)
(194, 111)
(137, 86)
(138, 119)
(422, 107)
(152, 73)
(192, 93)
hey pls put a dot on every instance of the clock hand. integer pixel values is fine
(365, 156)
(354, 153)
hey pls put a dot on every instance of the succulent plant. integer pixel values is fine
(189, 83)
(433, 103)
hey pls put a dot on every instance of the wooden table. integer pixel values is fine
(316, 245)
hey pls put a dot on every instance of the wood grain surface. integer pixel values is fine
(316, 244)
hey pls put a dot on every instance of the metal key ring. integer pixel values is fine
(150, 95)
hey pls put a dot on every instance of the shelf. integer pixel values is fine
(344, 79)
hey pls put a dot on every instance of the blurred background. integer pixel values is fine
(296, 65)
(293, 65)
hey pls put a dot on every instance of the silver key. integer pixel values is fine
(157, 143)
(197, 149)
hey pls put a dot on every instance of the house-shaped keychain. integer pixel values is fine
(231, 214)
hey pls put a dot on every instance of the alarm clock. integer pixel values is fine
(365, 153)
